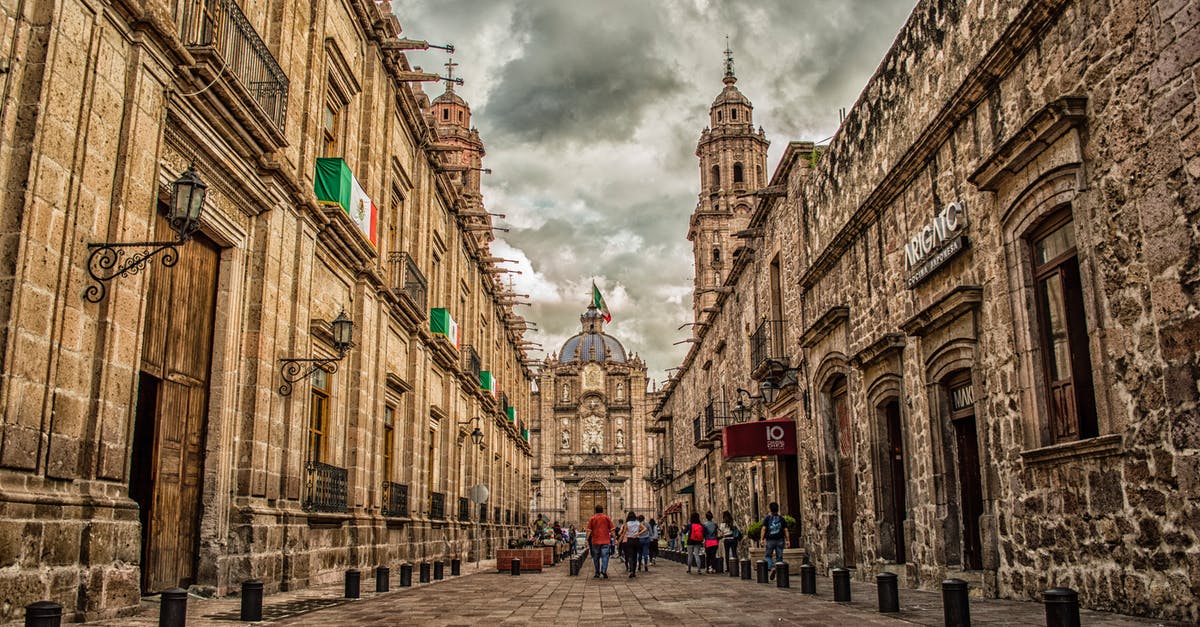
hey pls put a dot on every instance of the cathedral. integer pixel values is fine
(588, 434)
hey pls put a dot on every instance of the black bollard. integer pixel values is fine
(718, 565)
(252, 600)
(353, 578)
(734, 567)
(515, 567)
(43, 614)
(405, 575)
(382, 575)
(841, 585)
(808, 579)
(746, 569)
(574, 568)
(1062, 607)
(173, 611)
(955, 608)
(889, 594)
(439, 570)
(782, 579)
(760, 568)
(424, 573)
(455, 567)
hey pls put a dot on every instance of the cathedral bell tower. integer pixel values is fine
(452, 119)
(733, 162)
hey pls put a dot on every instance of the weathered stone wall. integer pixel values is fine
(971, 105)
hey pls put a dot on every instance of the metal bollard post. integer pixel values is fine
(405, 575)
(955, 607)
(43, 614)
(808, 579)
(382, 575)
(424, 573)
(718, 565)
(841, 585)
(734, 567)
(760, 568)
(574, 568)
(439, 570)
(889, 594)
(252, 600)
(782, 579)
(1062, 607)
(353, 578)
(746, 569)
(455, 567)
(515, 567)
(173, 611)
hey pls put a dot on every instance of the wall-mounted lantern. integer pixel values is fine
(297, 368)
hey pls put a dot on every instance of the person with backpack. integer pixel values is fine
(655, 529)
(694, 535)
(673, 537)
(712, 540)
(731, 536)
(775, 535)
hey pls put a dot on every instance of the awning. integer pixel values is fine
(691, 489)
(674, 507)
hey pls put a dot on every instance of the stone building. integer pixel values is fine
(154, 432)
(977, 306)
(588, 434)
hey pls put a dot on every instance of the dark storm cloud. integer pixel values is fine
(587, 71)
(591, 110)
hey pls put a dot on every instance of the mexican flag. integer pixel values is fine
(598, 302)
(442, 324)
(334, 183)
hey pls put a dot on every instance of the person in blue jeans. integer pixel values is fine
(600, 530)
(775, 535)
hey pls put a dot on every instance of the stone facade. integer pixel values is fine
(986, 295)
(144, 439)
(588, 434)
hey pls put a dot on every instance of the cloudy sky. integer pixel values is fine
(590, 111)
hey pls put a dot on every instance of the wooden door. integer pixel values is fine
(970, 490)
(896, 497)
(847, 490)
(168, 456)
(591, 495)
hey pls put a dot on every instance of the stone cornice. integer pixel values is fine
(944, 310)
(824, 325)
(1042, 130)
(889, 344)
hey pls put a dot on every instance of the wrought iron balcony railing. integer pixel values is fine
(464, 508)
(325, 488)
(502, 400)
(220, 26)
(471, 363)
(437, 506)
(408, 282)
(395, 499)
(766, 344)
(716, 416)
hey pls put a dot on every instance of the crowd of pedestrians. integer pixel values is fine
(635, 540)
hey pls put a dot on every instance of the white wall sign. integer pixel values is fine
(936, 243)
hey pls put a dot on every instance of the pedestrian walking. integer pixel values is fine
(654, 532)
(730, 536)
(599, 534)
(673, 536)
(644, 545)
(571, 539)
(694, 537)
(631, 542)
(775, 536)
(712, 539)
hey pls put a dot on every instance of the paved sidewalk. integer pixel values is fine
(667, 595)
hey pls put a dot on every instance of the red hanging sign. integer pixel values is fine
(759, 439)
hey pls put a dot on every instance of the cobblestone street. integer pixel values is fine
(667, 595)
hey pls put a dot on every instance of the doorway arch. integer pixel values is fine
(591, 494)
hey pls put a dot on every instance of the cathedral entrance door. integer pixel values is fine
(591, 494)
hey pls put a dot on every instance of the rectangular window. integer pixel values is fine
(389, 440)
(1062, 333)
(329, 131)
(318, 423)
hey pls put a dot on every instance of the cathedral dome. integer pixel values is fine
(449, 97)
(731, 95)
(593, 344)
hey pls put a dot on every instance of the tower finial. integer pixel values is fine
(450, 65)
(729, 77)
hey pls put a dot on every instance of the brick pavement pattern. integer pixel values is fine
(667, 595)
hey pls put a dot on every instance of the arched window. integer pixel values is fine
(737, 173)
(716, 255)
(445, 114)
(733, 114)
(460, 116)
(715, 181)
(718, 116)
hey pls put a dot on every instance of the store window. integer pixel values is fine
(1061, 331)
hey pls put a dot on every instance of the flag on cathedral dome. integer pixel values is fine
(334, 183)
(598, 302)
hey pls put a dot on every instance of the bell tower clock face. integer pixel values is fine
(593, 377)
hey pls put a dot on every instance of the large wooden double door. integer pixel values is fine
(169, 428)
(591, 495)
